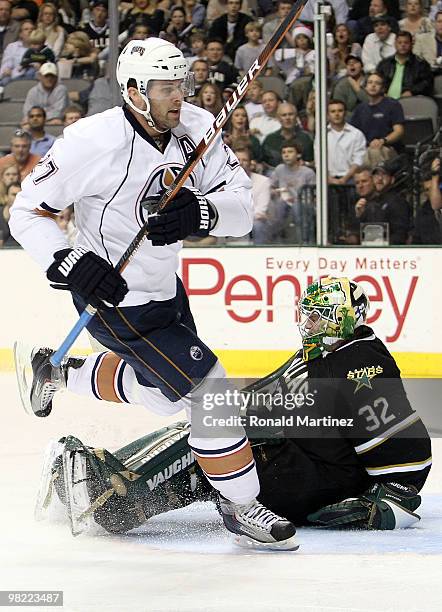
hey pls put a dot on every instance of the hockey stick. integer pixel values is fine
(219, 122)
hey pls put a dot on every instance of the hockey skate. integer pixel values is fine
(38, 380)
(257, 527)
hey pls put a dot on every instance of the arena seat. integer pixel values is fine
(55, 130)
(76, 84)
(11, 112)
(6, 133)
(420, 107)
(438, 92)
(276, 84)
(17, 90)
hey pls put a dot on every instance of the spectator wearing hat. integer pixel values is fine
(350, 88)
(378, 45)
(230, 27)
(429, 46)
(20, 154)
(346, 145)
(9, 28)
(48, 94)
(390, 206)
(404, 73)
(381, 120)
(300, 60)
(365, 25)
(298, 65)
(97, 28)
(41, 141)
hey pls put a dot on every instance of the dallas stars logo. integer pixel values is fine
(363, 376)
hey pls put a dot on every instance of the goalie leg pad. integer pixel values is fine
(121, 491)
(94, 485)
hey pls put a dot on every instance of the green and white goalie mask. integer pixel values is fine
(330, 309)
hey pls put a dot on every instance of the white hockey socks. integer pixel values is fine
(225, 456)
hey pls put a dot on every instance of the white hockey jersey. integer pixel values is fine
(105, 165)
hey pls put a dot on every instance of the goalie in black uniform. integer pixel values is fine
(356, 458)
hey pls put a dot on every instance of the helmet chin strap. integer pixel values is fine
(145, 113)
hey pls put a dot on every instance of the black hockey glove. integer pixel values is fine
(187, 214)
(383, 506)
(87, 274)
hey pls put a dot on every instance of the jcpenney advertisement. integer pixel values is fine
(245, 301)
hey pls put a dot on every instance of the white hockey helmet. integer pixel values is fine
(148, 60)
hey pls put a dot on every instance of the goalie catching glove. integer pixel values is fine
(87, 274)
(383, 506)
(189, 213)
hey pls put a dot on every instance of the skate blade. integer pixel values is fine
(77, 496)
(23, 369)
(244, 541)
(46, 486)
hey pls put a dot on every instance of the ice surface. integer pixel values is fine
(184, 560)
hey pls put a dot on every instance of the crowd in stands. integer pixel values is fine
(379, 53)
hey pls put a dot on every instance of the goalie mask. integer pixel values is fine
(330, 309)
(153, 59)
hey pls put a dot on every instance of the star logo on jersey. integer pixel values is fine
(362, 376)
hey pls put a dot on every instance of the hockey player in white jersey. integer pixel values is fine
(112, 166)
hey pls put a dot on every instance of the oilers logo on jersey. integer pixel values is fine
(159, 179)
